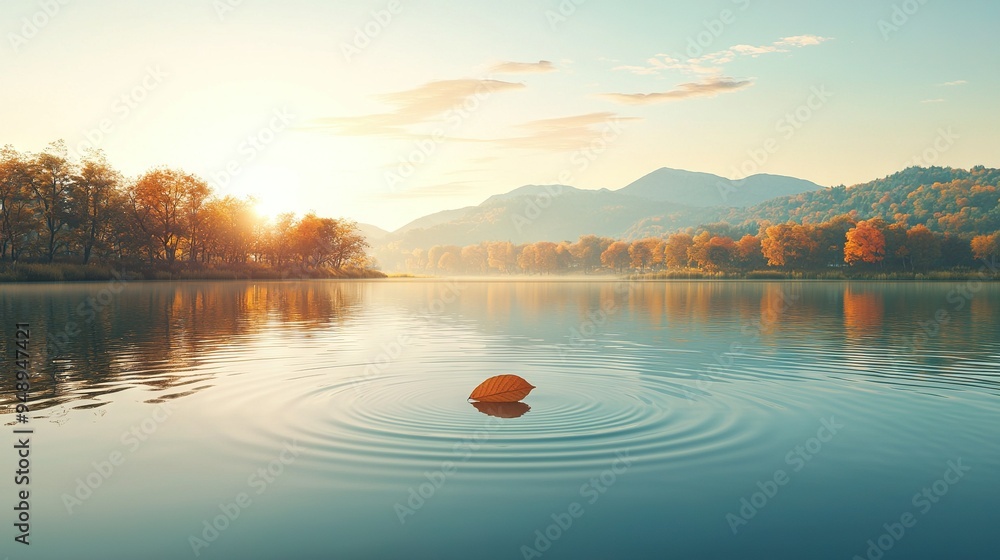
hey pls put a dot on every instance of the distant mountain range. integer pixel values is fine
(673, 197)
(373, 234)
(704, 190)
(667, 200)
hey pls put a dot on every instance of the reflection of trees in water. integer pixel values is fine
(942, 317)
(863, 312)
(549, 309)
(828, 310)
(983, 310)
(897, 330)
(152, 335)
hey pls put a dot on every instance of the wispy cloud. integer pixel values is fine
(662, 62)
(414, 106)
(801, 41)
(704, 88)
(711, 64)
(560, 133)
(938, 100)
(955, 83)
(539, 67)
(565, 133)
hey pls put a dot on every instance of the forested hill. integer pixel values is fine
(944, 199)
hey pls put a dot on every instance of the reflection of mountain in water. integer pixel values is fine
(721, 327)
(696, 308)
(150, 334)
(159, 336)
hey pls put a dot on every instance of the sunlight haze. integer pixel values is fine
(319, 105)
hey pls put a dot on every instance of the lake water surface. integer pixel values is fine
(687, 420)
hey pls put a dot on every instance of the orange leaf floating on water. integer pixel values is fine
(502, 388)
(502, 409)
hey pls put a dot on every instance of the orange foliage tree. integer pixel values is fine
(616, 256)
(787, 244)
(714, 254)
(676, 250)
(865, 243)
(748, 253)
(987, 248)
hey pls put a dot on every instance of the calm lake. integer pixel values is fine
(677, 420)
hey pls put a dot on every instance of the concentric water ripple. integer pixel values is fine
(370, 380)
(667, 403)
(389, 427)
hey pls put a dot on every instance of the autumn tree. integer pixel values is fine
(95, 199)
(714, 253)
(18, 218)
(564, 258)
(748, 254)
(501, 256)
(124, 242)
(616, 256)
(865, 243)
(788, 245)
(162, 202)
(527, 258)
(347, 245)
(197, 193)
(546, 257)
(310, 238)
(474, 259)
(229, 232)
(698, 244)
(658, 246)
(587, 251)
(986, 248)
(676, 250)
(448, 262)
(434, 256)
(281, 238)
(641, 253)
(52, 184)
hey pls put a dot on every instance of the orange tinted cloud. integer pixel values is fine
(705, 88)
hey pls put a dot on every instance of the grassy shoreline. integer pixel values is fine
(62, 272)
(984, 273)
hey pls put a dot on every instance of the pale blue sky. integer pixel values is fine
(211, 80)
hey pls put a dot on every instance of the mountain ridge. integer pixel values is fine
(695, 188)
(949, 200)
(536, 212)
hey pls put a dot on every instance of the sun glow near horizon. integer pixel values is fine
(478, 113)
(274, 190)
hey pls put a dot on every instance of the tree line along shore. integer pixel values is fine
(843, 247)
(67, 220)
(64, 220)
